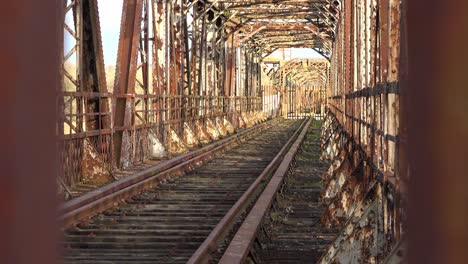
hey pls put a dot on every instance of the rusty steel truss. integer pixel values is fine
(187, 72)
(300, 84)
(190, 72)
(365, 187)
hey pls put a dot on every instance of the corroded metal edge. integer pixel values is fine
(108, 196)
(211, 243)
(240, 245)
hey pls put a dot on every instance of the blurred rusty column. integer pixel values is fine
(437, 110)
(30, 58)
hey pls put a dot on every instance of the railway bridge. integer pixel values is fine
(240, 131)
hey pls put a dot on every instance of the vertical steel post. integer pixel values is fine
(125, 78)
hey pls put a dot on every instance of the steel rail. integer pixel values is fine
(110, 195)
(241, 244)
(218, 234)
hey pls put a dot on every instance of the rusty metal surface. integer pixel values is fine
(167, 223)
(86, 106)
(302, 84)
(292, 232)
(211, 244)
(109, 195)
(240, 245)
(206, 67)
(363, 135)
(399, 253)
(360, 239)
(210, 77)
(125, 79)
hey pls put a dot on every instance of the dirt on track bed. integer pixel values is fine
(292, 233)
(167, 224)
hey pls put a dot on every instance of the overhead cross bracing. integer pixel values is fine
(269, 25)
(313, 71)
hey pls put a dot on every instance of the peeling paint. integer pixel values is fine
(212, 130)
(220, 127)
(190, 139)
(203, 136)
(94, 169)
(157, 149)
(357, 204)
(228, 126)
(176, 144)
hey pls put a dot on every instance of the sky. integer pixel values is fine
(110, 12)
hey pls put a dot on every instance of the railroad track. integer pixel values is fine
(292, 231)
(183, 218)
